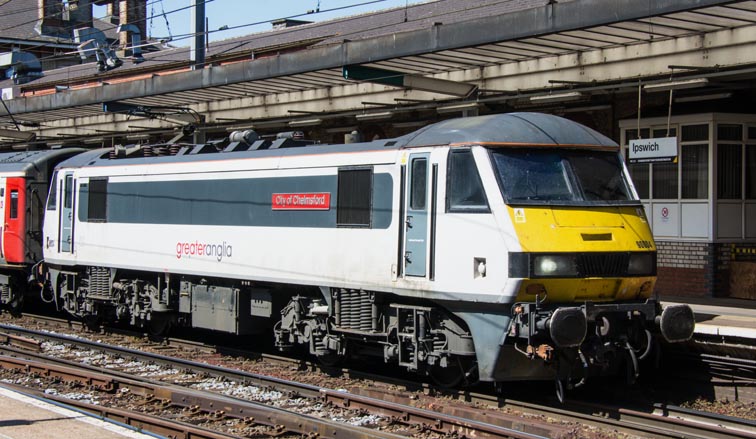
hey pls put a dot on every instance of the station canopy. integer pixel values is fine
(451, 41)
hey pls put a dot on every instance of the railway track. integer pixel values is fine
(394, 413)
(664, 421)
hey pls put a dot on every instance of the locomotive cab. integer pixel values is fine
(585, 266)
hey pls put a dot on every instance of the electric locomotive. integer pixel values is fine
(493, 248)
(24, 180)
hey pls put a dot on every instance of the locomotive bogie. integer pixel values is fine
(419, 338)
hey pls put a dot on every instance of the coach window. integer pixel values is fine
(52, 197)
(98, 199)
(13, 204)
(464, 189)
(355, 197)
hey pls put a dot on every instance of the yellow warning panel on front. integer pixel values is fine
(581, 229)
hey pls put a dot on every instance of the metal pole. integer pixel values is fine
(197, 54)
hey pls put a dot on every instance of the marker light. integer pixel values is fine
(641, 264)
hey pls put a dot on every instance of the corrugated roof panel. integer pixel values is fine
(619, 32)
(651, 29)
(741, 6)
(493, 52)
(469, 55)
(412, 64)
(529, 49)
(456, 61)
(603, 39)
(712, 18)
(557, 46)
(682, 25)
(575, 43)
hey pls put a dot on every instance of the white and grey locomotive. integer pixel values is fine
(492, 248)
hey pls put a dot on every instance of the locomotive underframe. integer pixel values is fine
(330, 324)
(538, 340)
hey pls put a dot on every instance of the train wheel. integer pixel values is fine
(92, 322)
(454, 374)
(160, 324)
(16, 305)
(559, 390)
(330, 360)
(631, 366)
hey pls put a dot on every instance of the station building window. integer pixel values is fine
(709, 192)
(694, 162)
(750, 170)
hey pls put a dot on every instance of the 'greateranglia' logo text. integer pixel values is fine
(189, 249)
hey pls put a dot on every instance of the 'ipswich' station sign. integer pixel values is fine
(660, 149)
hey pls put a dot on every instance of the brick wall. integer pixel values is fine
(698, 269)
(686, 269)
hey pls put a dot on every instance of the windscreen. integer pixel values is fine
(561, 176)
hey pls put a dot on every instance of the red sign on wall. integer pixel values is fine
(302, 201)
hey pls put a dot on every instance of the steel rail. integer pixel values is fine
(283, 421)
(660, 424)
(22, 342)
(723, 421)
(137, 420)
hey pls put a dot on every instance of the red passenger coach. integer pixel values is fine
(13, 205)
(24, 182)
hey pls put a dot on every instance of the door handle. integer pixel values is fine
(407, 258)
(408, 222)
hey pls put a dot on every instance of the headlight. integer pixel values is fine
(554, 266)
(642, 264)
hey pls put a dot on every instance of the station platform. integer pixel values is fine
(727, 318)
(25, 417)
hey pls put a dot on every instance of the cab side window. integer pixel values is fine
(52, 197)
(355, 197)
(98, 200)
(464, 189)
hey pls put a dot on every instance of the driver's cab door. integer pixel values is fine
(416, 217)
(66, 184)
